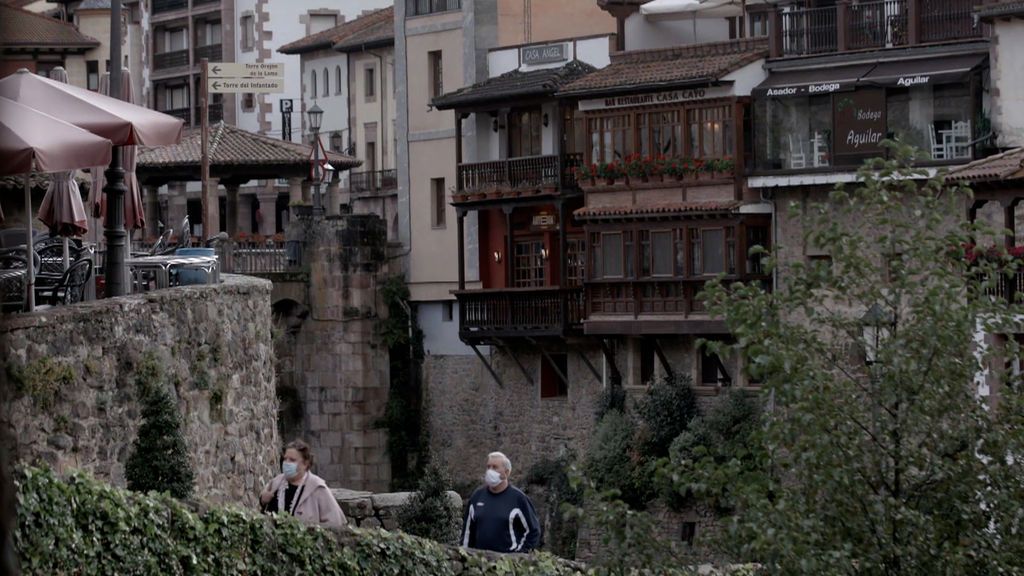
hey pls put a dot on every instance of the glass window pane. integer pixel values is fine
(611, 246)
(661, 243)
(713, 244)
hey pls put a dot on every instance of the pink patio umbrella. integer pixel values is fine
(62, 209)
(134, 214)
(120, 122)
(31, 141)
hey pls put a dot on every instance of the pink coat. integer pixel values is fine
(316, 505)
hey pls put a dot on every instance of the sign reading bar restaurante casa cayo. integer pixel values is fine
(860, 122)
(655, 98)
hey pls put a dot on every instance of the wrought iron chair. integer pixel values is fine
(12, 283)
(71, 288)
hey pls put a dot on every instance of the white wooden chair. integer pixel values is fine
(797, 158)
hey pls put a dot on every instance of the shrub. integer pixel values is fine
(613, 462)
(559, 530)
(159, 460)
(429, 512)
(81, 526)
(665, 412)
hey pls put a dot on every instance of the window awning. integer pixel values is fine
(815, 81)
(894, 73)
(921, 72)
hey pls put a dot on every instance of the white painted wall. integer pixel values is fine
(643, 32)
(746, 78)
(1008, 82)
(440, 337)
(593, 51)
(335, 106)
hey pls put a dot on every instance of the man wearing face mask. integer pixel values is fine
(299, 492)
(500, 517)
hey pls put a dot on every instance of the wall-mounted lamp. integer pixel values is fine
(494, 124)
(543, 253)
(497, 256)
(544, 119)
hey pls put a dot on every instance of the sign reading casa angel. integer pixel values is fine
(257, 78)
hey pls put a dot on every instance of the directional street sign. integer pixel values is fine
(234, 70)
(230, 77)
(253, 85)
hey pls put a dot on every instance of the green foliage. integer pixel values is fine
(159, 460)
(403, 415)
(665, 412)
(894, 466)
(559, 530)
(715, 453)
(429, 513)
(41, 380)
(613, 397)
(614, 463)
(80, 526)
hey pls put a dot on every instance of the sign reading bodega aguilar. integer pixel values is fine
(859, 122)
(544, 54)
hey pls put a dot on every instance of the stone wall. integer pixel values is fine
(70, 399)
(333, 373)
(369, 510)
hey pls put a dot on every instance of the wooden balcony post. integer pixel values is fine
(460, 220)
(776, 34)
(842, 25)
(913, 22)
(563, 265)
(458, 151)
(509, 246)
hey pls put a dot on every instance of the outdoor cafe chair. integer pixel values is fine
(71, 288)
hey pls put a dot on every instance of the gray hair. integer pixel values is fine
(504, 460)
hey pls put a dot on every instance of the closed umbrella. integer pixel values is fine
(134, 213)
(31, 141)
(62, 210)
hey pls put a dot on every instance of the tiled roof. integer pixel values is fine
(669, 67)
(516, 84)
(656, 209)
(1000, 8)
(23, 29)
(1006, 166)
(378, 33)
(94, 5)
(231, 146)
(341, 32)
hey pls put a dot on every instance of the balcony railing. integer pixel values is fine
(168, 5)
(259, 257)
(878, 24)
(636, 298)
(521, 312)
(373, 182)
(420, 7)
(183, 113)
(527, 172)
(211, 52)
(216, 112)
(170, 59)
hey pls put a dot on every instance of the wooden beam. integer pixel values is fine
(487, 365)
(590, 365)
(661, 357)
(508, 350)
(609, 357)
(554, 366)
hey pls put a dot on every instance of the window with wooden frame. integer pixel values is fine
(611, 137)
(370, 83)
(657, 253)
(713, 250)
(437, 200)
(713, 371)
(248, 25)
(435, 63)
(524, 133)
(710, 130)
(575, 268)
(660, 133)
(757, 235)
(528, 265)
(574, 133)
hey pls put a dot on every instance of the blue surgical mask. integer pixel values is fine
(290, 469)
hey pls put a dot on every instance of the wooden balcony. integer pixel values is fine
(373, 182)
(519, 313)
(651, 306)
(531, 172)
(1007, 287)
(872, 25)
(168, 5)
(183, 113)
(212, 52)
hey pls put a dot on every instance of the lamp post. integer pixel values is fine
(877, 325)
(316, 116)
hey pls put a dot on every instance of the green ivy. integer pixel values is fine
(41, 380)
(84, 527)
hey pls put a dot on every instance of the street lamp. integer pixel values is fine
(316, 117)
(877, 325)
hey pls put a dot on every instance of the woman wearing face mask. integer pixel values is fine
(299, 492)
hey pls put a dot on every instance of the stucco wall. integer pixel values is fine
(70, 399)
(1008, 82)
(524, 21)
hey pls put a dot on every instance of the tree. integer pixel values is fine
(429, 512)
(159, 461)
(878, 455)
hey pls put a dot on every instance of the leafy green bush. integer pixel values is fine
(83, 527)
(614, 463)
(559, 530)
(429, 512)
(665, 412)
(159, 460)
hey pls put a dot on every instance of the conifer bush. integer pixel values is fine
(429, 512)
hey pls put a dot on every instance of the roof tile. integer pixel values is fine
(656, 209)
(515, 84)
(1006, 166)
(341, 33)
(23, 29)
(669, 67)
(232, 146)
